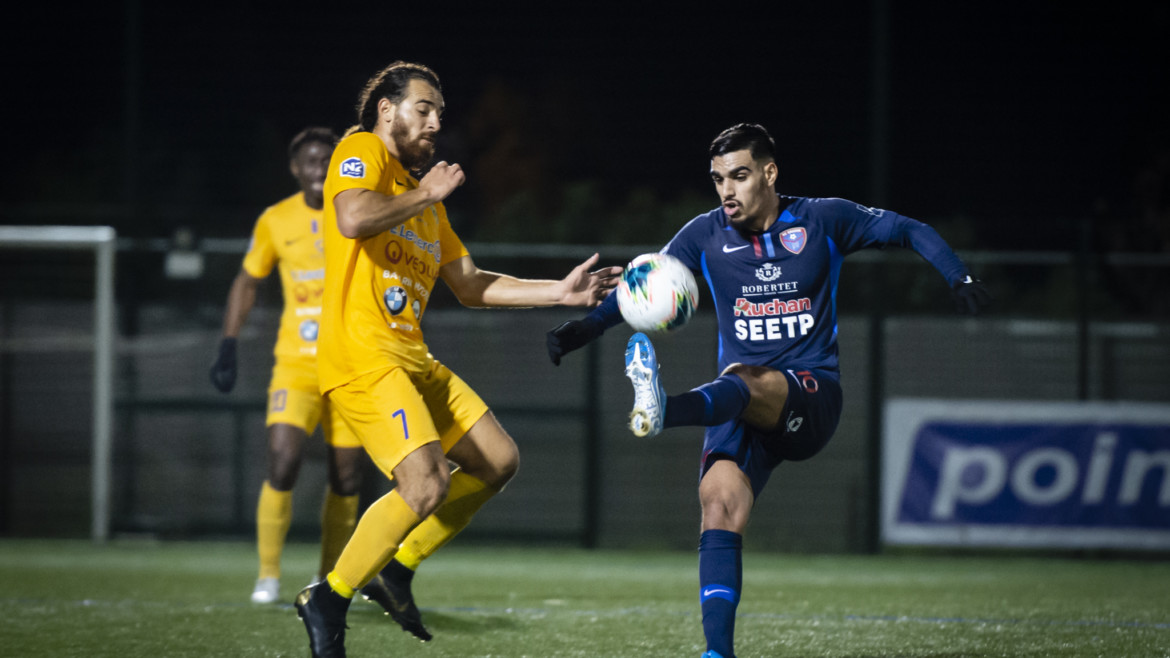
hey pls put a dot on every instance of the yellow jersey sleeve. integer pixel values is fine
(261, 255)
(377, 287)
(453, 248)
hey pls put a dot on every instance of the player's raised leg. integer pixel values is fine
(741, 391)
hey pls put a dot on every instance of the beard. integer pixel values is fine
(413, 155)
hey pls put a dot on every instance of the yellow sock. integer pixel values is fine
(407, 557)
(338, 517)
(375, 540)
(339, 585)
(466, 495)
(273, 517)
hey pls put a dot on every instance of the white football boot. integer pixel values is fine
(649, 398)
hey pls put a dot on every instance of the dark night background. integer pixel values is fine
(1004, 124)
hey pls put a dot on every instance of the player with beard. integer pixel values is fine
(387, 241)
(772, 263)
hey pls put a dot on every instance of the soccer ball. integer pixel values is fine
(657, 293)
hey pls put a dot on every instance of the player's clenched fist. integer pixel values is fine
(442, 179)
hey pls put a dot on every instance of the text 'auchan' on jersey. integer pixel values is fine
(773, 307)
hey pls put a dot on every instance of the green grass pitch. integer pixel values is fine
(128, 599)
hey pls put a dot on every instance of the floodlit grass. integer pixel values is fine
(130, 599)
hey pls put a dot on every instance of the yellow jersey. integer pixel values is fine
(288, 235)
(377, 287)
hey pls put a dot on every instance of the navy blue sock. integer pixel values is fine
(713, 403)
(720, 579)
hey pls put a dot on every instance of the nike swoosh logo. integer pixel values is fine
(709, 592)
(728, 250)
(290, 242)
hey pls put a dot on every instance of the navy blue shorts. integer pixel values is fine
(807, 423)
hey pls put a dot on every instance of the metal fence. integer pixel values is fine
(188, 461)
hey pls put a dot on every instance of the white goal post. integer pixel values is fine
(101, 240)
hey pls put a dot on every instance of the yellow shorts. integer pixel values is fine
(395, 412)
(293, 399)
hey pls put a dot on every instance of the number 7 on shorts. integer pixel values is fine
(405, 430)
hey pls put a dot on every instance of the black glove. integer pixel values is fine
(569, 336)
(223, 371)
(970, 295)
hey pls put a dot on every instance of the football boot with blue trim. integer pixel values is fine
(649, 398)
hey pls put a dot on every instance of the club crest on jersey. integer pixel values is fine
(794, 239)
(308, 330)
(352, 168)
(767, 272)
(395, 299)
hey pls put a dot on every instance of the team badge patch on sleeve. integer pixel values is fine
(353, 168)
(793, 239)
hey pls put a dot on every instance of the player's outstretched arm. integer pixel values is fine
(872, 227)
(585, 288)
(480, 288)
(241, 299)
(575, 334)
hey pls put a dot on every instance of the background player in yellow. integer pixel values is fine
(387, 241)
(288, 236)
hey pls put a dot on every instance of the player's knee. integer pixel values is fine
(282, 471)
(425, 497)
(435, 496)
(754, 377)
(724, 513)
(495, 462)
(726, 504)
(769, 392)
(498, 470)
(285, 445)
(759, 379)
(735, 369)
(507, 465)
(345, 483)
(345, 471)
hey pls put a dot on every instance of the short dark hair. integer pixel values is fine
(311, 135)
(750, 136)
(389, 83)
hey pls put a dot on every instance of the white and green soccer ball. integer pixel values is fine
(657, 293)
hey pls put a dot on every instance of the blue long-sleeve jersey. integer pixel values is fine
(775, 293)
